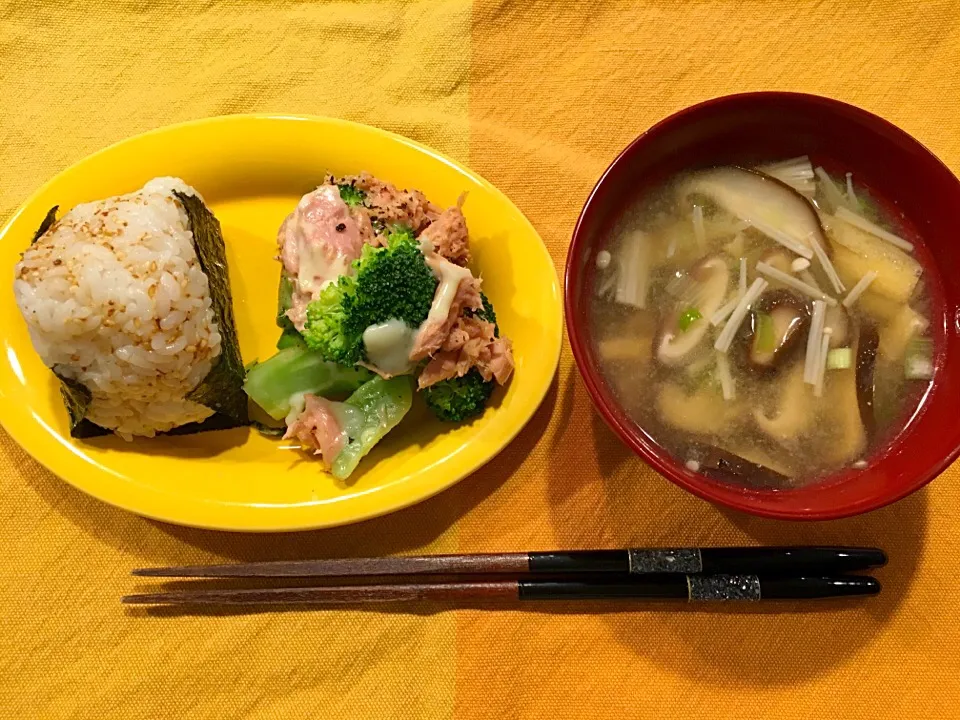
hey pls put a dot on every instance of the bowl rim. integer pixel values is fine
(633, 434)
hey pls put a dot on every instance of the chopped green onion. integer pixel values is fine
(688, 317)
(918, 364)
(840, 359)
(764, 339)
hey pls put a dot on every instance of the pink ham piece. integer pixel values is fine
(317, 428)
(318, 242)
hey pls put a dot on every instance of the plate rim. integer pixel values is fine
(555, 331)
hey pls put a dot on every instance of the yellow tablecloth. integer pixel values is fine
(537, 97)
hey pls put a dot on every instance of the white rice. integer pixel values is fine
(114, 298)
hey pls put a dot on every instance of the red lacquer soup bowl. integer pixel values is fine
(917, 189)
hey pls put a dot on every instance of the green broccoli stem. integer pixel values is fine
(284, 300)
(382, 404)
(294, 371)
(290, 338)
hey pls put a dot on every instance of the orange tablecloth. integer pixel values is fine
(537, 97)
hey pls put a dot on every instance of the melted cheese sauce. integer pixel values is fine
(388, 346)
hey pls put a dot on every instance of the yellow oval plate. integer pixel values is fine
(252, 170)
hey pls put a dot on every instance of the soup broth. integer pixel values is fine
(766, 326)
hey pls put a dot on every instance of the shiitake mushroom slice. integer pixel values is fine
(772, 332)
(680, 339)
(771, 206)
(728, 467)
(867, 342)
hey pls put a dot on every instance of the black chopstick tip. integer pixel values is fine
(148, 599)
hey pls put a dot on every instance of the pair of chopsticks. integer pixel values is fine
(699, 574)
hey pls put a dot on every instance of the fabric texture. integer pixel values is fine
(537, 97)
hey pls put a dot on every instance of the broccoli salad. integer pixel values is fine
(376, 301)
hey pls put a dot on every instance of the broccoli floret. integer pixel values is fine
(459, 398)
(351, 195)
(399, 233)
(487, 313)
(329, 329)
(392, 283)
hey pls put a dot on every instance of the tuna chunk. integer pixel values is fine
(457, 291)
(448, 233)
(317, 429)
(384, 205)
(471, 343)
(387, 205)
(361, 216)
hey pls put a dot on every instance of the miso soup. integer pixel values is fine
(767, 326)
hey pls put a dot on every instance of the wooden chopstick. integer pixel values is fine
(505, 563)
(331, 594)
(634, 561)
(669, 587)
